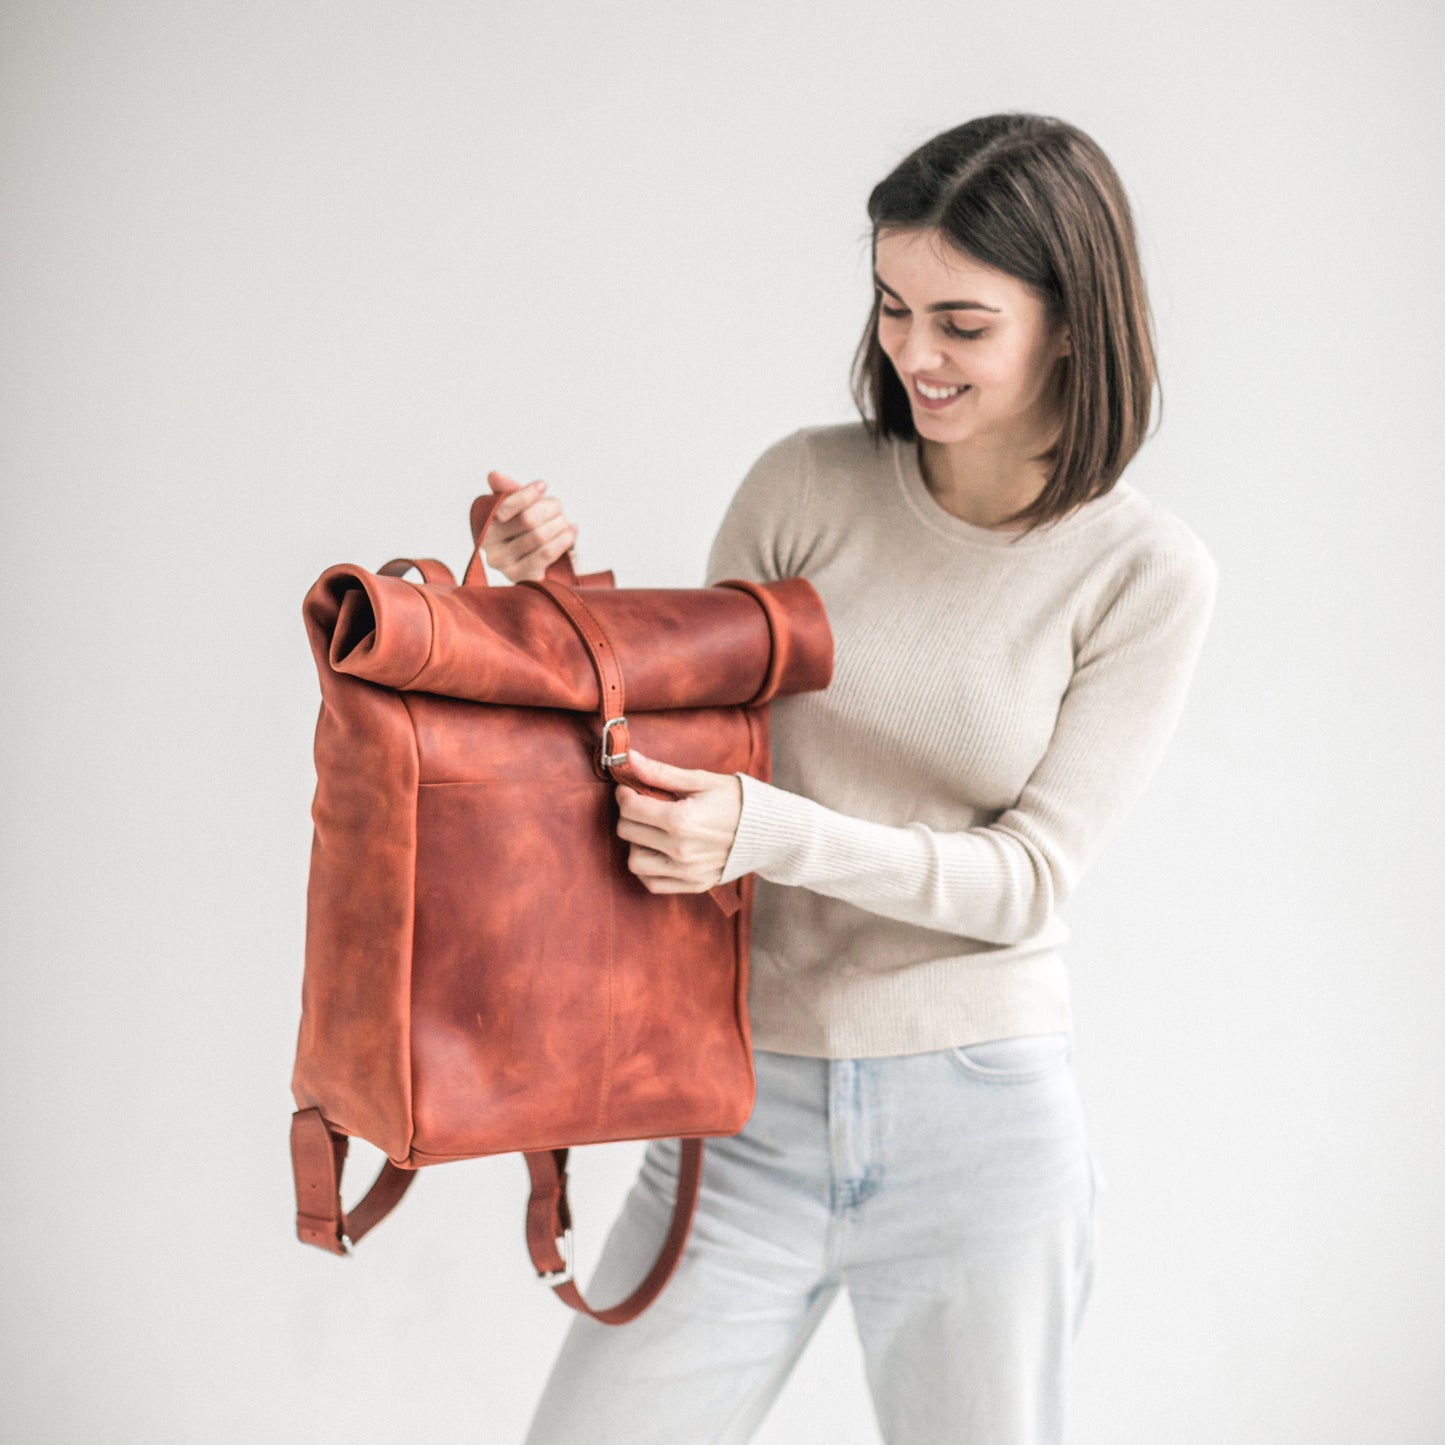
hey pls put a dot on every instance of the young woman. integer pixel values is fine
(1015, 629)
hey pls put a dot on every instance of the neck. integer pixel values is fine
(980, 483)
(994, 474)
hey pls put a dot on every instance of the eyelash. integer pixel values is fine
(948, 326)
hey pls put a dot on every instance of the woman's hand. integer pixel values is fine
(679, 846)
(528, 531)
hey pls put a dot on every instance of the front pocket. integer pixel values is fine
(1013, 1061)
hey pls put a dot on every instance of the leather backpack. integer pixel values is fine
(483, 973)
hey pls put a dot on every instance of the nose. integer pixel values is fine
(918, 351)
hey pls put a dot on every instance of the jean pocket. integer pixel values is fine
(1013, 1061)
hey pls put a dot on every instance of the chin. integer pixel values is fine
(935, 429)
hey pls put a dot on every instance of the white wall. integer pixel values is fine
(282, 280)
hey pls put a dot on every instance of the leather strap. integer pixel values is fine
(549, 1224)
(777, 631)
(560, 570)
(318, 1154)
(610, 760)
(432, 571)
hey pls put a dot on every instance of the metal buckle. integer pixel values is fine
(346, 1245)
(608, 759)
(563, 1275)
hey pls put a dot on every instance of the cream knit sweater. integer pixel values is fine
(996, 709)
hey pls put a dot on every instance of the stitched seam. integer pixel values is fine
(607, 1054)
(411, 951)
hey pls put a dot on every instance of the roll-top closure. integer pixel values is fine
(738, 642)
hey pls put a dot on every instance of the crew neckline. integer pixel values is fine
(929, 510)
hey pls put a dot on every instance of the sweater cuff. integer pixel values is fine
(771, 827)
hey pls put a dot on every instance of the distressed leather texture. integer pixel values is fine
(483, 973)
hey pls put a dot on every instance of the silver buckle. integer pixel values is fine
(608, 759)
(563, 1275)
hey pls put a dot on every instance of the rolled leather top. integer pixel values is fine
(737, 642)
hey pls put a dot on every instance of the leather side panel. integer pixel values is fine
(352, 1053)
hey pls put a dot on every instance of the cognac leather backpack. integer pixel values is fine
(483, 972)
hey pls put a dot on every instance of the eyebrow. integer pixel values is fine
(937, 305)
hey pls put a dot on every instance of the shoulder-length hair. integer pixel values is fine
(1036, 198)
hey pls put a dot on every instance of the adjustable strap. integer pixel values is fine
(611, 760)
(549, 1232)
(318, 1154)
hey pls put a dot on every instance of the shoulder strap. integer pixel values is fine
(318, 1154)
(549, 1233)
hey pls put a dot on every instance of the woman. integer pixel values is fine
(1015, 629)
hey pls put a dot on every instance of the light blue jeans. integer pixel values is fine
(951, 1193)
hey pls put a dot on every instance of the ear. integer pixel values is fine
(1066, 342)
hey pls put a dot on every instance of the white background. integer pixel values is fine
(281, 281)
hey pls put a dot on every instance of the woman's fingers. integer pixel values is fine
(659, 873)
(516, 545)
(649, 861)
(685, 841)
(669, 859)
(528, 531)
(533, 564)
(501, 482)
(518, 541)
(682, 781)
(644, 834)
(667, 885)
(519, 523)
(641, 808)
(655, 854)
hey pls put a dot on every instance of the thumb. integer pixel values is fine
(664, 775)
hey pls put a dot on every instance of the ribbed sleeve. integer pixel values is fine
(1001, 882)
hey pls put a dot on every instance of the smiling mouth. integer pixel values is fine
(932, 395)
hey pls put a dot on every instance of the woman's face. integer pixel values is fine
(976, 349)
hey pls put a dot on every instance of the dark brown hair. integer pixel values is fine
(1037, 199)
